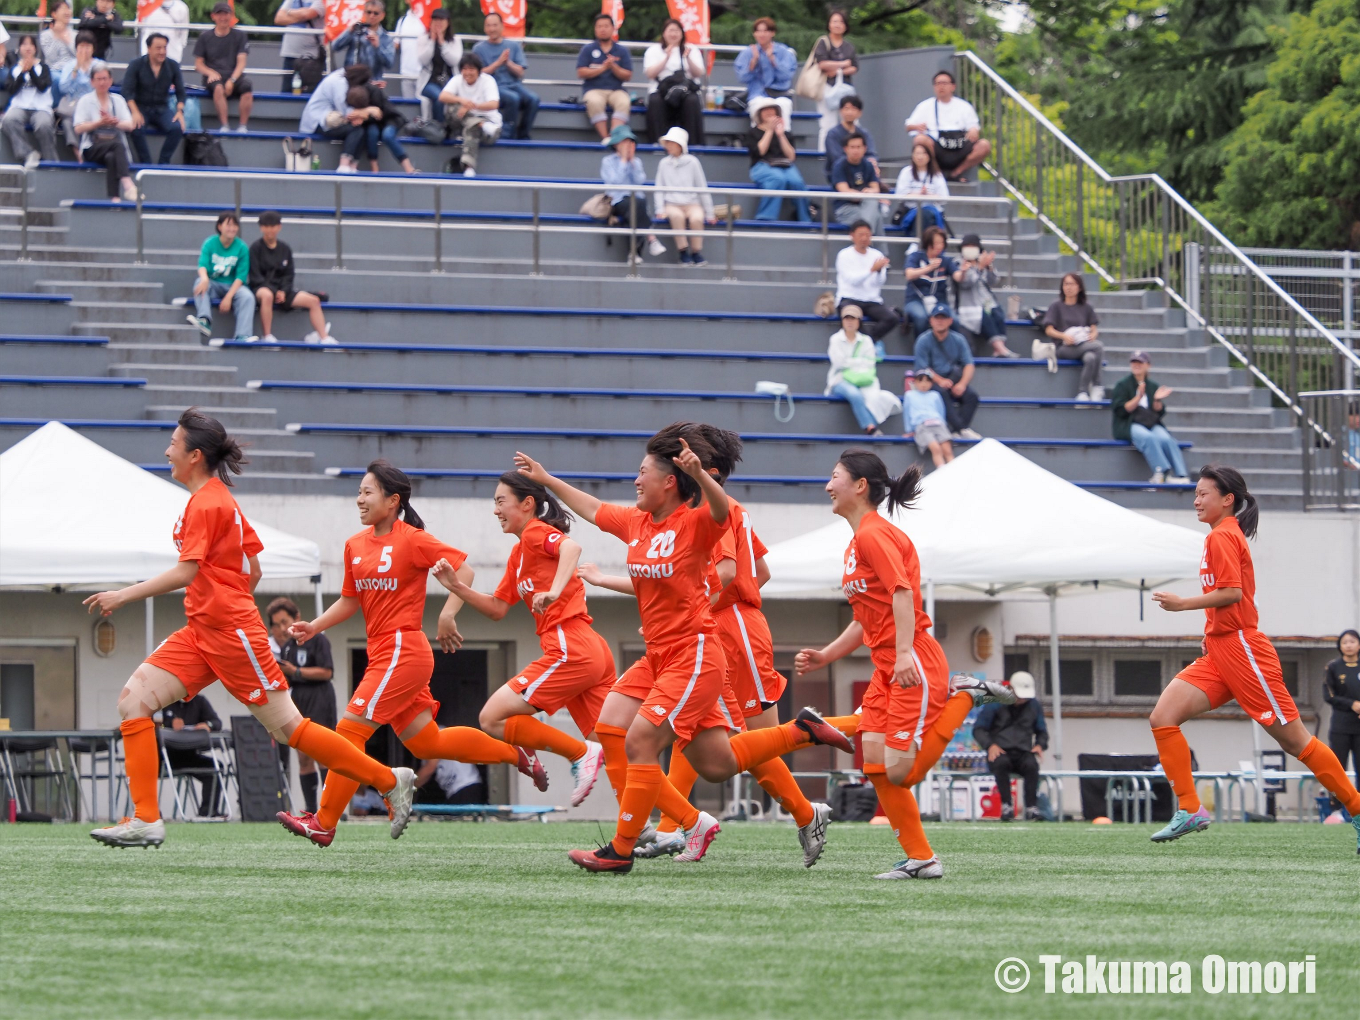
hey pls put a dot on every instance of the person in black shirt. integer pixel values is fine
(101, 21)
(1341, 690)
(1014, 736)
(196, 714)
(309, 668)
(220, 56)
(147, 84)
(271, 279)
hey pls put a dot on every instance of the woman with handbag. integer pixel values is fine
(832, 57)
(1138, 406)
(674, 99)
(853, 375)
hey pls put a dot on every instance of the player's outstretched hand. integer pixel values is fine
(1169, 601)
(303, 631)
(590, 573)
(531, 469)
(105, 602)
(688, 461)
(808, 660)
(445, 574)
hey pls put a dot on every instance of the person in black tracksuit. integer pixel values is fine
(1341, 689)
(1014, 736)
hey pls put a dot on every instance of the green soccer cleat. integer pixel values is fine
(1182, 823)
(1355, 820)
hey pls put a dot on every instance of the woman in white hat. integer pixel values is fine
(773, 158)
(679, 175)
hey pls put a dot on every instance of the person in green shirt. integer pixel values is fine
(223, 264)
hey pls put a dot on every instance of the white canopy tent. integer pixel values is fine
(74, 514)
(987, 522)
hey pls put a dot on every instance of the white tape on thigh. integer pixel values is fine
(153, 692)
(276, 713)
(892, 756)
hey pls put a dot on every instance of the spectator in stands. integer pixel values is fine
(674, 98)
(678, 176)
(70, 83)
(773, 166)
(1075, 326)
(475, 102)
(58, 43)
(30, 106)
(367, 42)
(853, 375)
(270, 279)
(4, 67)
(223, 268)
(220, 57)
(950, 126)
(836, 58)
(505, 61)
(439, 52)
(921, 177)
(766, 67)
(861, 272)
(382, 122)
(101, 21)
(928, 273)
(1138, 405)
(102, 122)
(925, 418)
(623, 167)
(196, 713)
(977, 308)
(604, 66)
(164, 20)
(300, 44)
(943, 353)
(1341, 690)
(406, 37)
(327, 114)
(455, 782)
(1015, 737)
(147, 84)
(309, 667)
(851, 108)
(854, 174)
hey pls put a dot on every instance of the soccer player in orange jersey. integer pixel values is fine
(222, 639)
(912, 706)
(1239, 663)
(674, 691)
(386, 566)
(576, 669)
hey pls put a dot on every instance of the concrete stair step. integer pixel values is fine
(126, 331)
(222, 397)
(127, 311)
(177, 375)
(103, 290)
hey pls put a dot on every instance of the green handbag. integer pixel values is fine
(860, 377)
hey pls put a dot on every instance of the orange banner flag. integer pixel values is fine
(423, 9)
(340, 15)
(513, 15)
(614, 8)
(42, 8)
(146, 8)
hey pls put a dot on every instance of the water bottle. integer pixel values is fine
(193, 115)
(316, 162)
(297, 84)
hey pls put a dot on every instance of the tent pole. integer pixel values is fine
(930, 605)
(150, 626)
(1056, 673)
(320, 607)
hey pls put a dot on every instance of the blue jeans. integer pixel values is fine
(387, 134)
(519, 108)
(1159, 448)
(854, 396)
(779, 178)
(993, 324)
(162, 119)
(931, 216)
(352, 136)
(431, 92)
(915, 311)
(242, 305)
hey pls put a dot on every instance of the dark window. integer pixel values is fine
(1016, 662)
(1137, 678)
(16, 695)
(1290, 669)
(1078, 677)
(1187, 663)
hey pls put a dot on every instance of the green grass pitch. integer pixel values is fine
(490, 920)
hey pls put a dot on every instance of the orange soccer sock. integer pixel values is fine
(635, 806)
(1175, 755)
(903, 815)
(1323, 763)
(680, 779)
(461, 743)
(142, 763)
(612, 739)
(340, 790)
(755, 747)
(937, 738)
(330, 749)
(775, 779)
(526, 731)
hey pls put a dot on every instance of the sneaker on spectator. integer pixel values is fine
(697, 259)
(204, 326)
(1098, 394)
(1177, 480)
(1158, 477)
(969, 434)
(241, 129)
(345, 168)
(32, 160)
(248, 339)
(1083, 397)
(469, 171)
(269, 338)
(130, 192)
(655, 248)
(683, 255)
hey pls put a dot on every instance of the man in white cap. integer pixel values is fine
(1014, 737)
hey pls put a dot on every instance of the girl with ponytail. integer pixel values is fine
(1238, 662)
(386, 566)
(912, 706)
(576, 669)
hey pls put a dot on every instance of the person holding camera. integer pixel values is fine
(1138, 404)
(976, 306)
(675, 69)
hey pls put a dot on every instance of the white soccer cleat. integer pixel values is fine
(399, 800)
(661, 844)
(984, 692)
(585, 771)
(915, 869)
(131, 832)
(812, 836)
(699, 838)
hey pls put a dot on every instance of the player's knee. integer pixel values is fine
(491, 721)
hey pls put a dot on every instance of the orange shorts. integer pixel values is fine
(240, 658)
(681, 684)
(1243, 667)
(903, 713)
(749, 648)
(576, 670)
(396, 685)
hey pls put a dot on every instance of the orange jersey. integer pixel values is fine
(669, 562)
(880, 561)
(1227, 564)
(387, 575)
(533, 568)
(743, 546)
(214, 533)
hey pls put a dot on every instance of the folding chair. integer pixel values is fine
(38, 758)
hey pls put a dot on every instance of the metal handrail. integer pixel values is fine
(536, 227)
(22, 211)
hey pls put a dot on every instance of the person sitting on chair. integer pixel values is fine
(1015, 737)
(196, 714)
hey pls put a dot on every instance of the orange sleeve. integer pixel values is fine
(882, 556)
(250, 542)
(614, 520)
(707, 531)
(1225, 561)
(429, 551)
(347, 585)
(196, 537)
(546, 538)
(506, 591)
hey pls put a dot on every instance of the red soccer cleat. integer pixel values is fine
(306, 826)
(810, 721)
(530, 766)
(603, 859)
